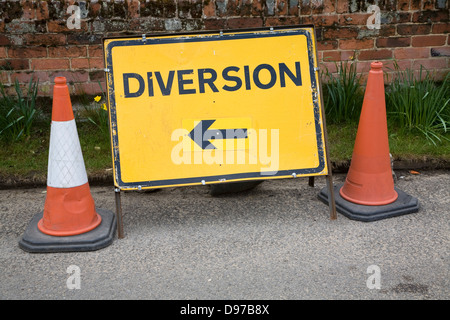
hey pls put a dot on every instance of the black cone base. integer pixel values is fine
(233, 187)
(34, 240)
(404, 204)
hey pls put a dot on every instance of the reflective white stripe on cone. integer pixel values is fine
(66, 167)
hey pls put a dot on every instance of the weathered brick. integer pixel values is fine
(215, 24)
(411, 53)
(98, 75)
(67, 51)
(209, 9)
(328, 6)
(305, 7)
(88, 88)
(340, 33)
(28, 10)
(342, 6)
(133, 9)
(79, 63)
(416, 5)
(95, 51)
(158, 8)
(23, 27)
(434, 63)
(26, 76)
(293, 7)
(331, 56)
(27, 52)
(354, 19)
(14, 64)
(428, 41)
(232, 8)
(147, 23)
(441, 4)
(320, 20)
(87, 63)
(330, 67)
(42, 12)
(390, 65)
(35, 31)
(403, 5)
(71, 76)
(430, 16)
(401, 17)
(257, 7)
(281, 21)
(393, 42)
(3, 53)
(173, 24)
(83, 38)
(375, 54)
(428, 4)
(192, 24)
(60, 26)
(241, 7)
(4, 40)
(234, 23)
(45, 39)
(338, 55)
(50, 64)
(441, 28)
(96, 63)
(327, 45)
(440, 52)
(413, 29)
(282, 7)
(355, 44)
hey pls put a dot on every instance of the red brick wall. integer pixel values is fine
(36, 41)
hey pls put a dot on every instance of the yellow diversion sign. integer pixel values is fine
(202, 108)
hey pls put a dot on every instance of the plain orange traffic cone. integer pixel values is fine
(70, 221)
(369, 193)
(369, 180)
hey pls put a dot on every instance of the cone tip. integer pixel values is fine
(60, 80)
(376, 65)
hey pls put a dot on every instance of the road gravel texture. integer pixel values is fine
(273, 242)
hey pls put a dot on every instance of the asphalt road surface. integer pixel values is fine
(274, 242)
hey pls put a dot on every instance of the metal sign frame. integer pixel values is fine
(324, 167)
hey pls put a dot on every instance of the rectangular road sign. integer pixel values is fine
(200, 108)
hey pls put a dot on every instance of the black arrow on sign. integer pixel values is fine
(201, 135)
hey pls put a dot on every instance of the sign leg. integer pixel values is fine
(331, 202)
(119, 214)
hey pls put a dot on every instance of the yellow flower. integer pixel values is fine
(97, 98)
(104, 106)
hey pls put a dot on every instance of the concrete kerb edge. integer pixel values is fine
(17, 182)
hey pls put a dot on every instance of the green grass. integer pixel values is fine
(418, 103)
(30, 157)
(343, 93)
(403, 144)
(18, 112)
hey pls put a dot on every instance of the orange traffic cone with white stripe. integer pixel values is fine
(369, 193)
(70, 221)
(69, 207)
